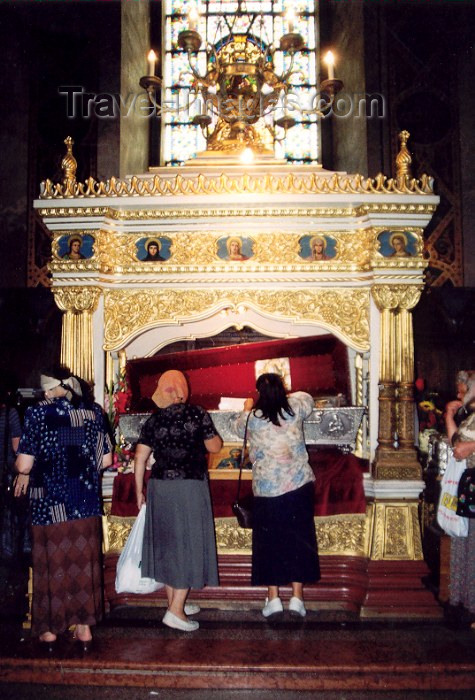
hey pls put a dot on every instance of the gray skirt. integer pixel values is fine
(179, 547)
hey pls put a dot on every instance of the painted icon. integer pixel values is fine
(316, 248)
(397, 244)
(76, 247)
(235, 248)
(155, 249)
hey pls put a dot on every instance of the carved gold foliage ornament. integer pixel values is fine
(128, 312)
(396, 532)
(393, 296)
(409, 296)
(342, 534)
(396, 470)
(77, 299)
(118, 530)
(391, 531)
(192, 249)
(230, 538)
(116, 250)
(357, 247)
(337, 535)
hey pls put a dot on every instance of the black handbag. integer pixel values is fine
(242, 508)
(466, 494)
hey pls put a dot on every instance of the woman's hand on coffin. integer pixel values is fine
(248, 404)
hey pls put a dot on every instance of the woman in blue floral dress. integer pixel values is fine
(62, 449)
(284, 544)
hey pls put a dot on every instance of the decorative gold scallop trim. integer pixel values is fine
(117, 214)
(248, 183)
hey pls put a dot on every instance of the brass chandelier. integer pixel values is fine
(240, 83)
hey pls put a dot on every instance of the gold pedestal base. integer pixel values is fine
(399, 464)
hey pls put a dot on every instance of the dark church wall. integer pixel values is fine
(44, 46)
(30, 325)
(444, 339)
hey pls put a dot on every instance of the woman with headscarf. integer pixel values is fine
(458, 408)
(62, 449)
(153, 251)
(179, 542)
(462, 549)
(284, 544)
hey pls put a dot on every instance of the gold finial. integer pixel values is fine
(403, 161)
(69, 166)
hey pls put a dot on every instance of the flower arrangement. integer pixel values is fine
(431, 417)
(123, 456)
(117, 401)
(117, 398)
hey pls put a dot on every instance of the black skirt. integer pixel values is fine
(284, 543)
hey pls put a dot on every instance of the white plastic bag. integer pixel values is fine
(129, 577)
(451, 523)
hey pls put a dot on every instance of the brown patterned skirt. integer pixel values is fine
(67, 575)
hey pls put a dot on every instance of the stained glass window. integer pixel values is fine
(266, 21)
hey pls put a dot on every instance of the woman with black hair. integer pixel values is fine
(284, 544)
(62, 449)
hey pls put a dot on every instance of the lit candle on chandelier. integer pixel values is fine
(152, 59)
(290, 17)
(193, 18)
(330, 63)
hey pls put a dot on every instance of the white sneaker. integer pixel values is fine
(191, 609)
(296, 607)
(176, 623)
(272, 606)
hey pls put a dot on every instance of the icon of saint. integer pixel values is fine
(153, 251)
(398, 241)
(74, 249)
(318, 245)
(234, 246)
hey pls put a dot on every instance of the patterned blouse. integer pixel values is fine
(466, 433)
(176, 435)
(68, 445)
(277, 452)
